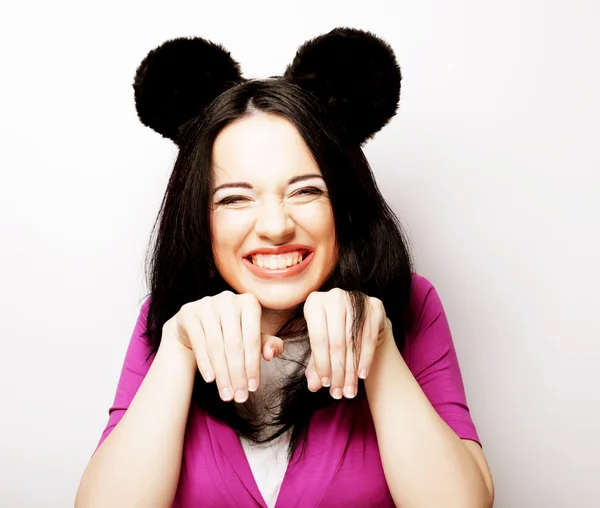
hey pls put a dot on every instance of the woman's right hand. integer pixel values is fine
(224, 333)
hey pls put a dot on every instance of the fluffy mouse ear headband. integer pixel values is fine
(353, 73)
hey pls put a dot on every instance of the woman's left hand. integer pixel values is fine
(332, 362)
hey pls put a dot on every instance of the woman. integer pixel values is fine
(287, 355)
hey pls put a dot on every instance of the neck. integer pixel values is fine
(273, 319)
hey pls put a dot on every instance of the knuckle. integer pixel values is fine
(236, 368)
(177, 322)
(350, 367)
(169, 326)
(186, 312)
(252, 366)
(312, 298)
(340, 297)
(215, 348)
(205, 304)
(238, 384)
(332, 296)
(248, 300)
(308, 302)
(377, 304)
(230, 340)
(225, 296)
(337, 345)
(318, 339)
(251, 343)
(351, 341)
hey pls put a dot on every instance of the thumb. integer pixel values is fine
(271, 346)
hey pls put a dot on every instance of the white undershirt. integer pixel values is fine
(268, 461)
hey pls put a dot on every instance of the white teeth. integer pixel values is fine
(277, 261)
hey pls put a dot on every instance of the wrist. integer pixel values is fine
(386, 336)
(387, 363)
(387, 352)
(175, 351)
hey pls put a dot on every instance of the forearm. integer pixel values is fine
(139, 462)
(426, 464)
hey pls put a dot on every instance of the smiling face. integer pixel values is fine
(272, 224)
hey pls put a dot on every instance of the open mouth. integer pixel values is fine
(279, 261)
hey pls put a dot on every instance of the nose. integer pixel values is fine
(274, 223)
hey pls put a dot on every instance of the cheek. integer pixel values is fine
(317, 220)
(228, 230)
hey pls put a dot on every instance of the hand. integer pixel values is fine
(332, 362)
(224, 333)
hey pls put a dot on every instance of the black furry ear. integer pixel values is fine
(178, 79)
(355, 76)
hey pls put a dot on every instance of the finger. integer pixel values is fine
(272, 346)
(251, 337)
(316, 323)
(369, 342)
(336, 328)
(216, 350)
(350, 380)
(189, 323)
(312, 378)
(231, 324)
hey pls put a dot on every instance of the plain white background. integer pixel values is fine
(492, 164)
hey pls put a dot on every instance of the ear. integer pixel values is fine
(178, 79)
(355, 76)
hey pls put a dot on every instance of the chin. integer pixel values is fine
(280, 295)
(278, 302)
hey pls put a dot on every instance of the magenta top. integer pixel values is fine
(341, 465)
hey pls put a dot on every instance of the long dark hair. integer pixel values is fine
(373, 255)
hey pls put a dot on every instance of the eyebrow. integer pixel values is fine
(245, 185)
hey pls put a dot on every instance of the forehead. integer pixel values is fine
(260, 148)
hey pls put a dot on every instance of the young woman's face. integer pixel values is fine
(272, 223)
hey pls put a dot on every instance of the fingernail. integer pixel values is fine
(337, 393)
(252, 384)
(209, 376)
(363, 373)
(326, 381)
(241, 396)
(226, 394)
(314, 383)
(349, 392)
(273, 352)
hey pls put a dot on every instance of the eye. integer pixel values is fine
(232, 200)
(307, 191)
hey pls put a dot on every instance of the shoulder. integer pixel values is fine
(424, 300)
(420, 286)
(139, 357)
(142, 320)
(427, 322)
